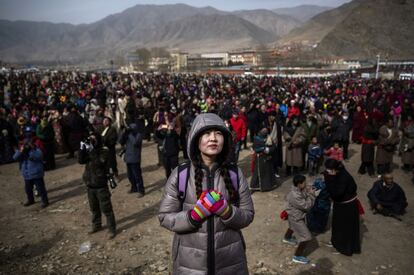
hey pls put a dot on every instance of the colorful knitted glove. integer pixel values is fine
(202, 209)
(221, 207)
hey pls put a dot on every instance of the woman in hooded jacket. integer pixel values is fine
(207, 221)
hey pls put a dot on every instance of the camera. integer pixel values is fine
(111, 181)
(86, 144)
(27, 147)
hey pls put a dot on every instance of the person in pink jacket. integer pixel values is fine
(335, 152)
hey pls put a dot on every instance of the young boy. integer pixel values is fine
(335, 152)
(314, 156)
(299, 201)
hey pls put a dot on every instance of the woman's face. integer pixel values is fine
(211, 143)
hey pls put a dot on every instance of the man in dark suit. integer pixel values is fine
(109, 139)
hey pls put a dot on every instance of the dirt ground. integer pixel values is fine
(47, 241)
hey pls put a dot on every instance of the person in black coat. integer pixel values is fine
(263, 178)
(341, 128)
(95, 158)
(77, 129)
(170, 147)
(252, 121)
(387, 197)
(131, 140)
(368, 140)
(345, 214)
(109, 139)
(325, 136)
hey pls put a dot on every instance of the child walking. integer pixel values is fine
(299, 201)
(208, 217)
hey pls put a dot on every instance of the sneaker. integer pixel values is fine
(44, 205)
(290, 241)
(277, 175)
(140, 195)
(329, 244)
(300, 260)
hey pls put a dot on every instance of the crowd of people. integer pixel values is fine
(292, 124)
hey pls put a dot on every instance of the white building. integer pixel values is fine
(223, 56)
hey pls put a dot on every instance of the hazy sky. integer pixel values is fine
(86, 11)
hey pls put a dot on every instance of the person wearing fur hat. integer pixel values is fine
(207, 221)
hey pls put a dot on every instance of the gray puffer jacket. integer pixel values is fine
(217, 247)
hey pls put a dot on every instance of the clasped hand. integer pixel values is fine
(210, 203)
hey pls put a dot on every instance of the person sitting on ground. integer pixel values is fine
(387, 197)
(299, 201)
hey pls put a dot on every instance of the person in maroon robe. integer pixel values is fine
(358, 123)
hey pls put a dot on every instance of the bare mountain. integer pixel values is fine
(210, 32)
(280, 25)
(319, 26)
(302, 13)
(374, 27)
(178, 26)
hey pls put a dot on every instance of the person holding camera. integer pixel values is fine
(95, 157)
(30, 159)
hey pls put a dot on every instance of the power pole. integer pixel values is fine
(378, 61)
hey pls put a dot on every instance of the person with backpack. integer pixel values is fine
(206, 203)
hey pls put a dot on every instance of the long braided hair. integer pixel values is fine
(224, 165)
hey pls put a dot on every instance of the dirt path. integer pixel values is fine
(37, 241)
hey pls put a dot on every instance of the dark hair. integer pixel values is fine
(298, 179)
(333, 164)
(224, 163)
